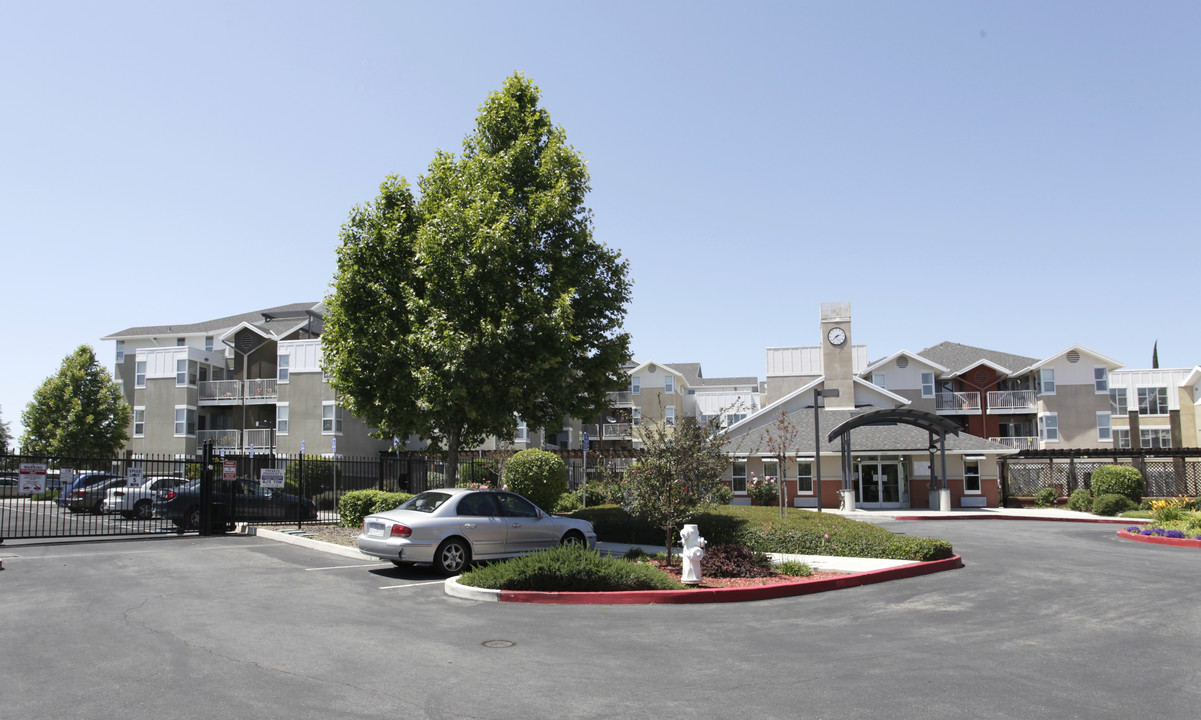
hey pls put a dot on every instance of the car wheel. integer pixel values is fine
(192, 518)
(573, 537)
(144, 510)
(98, 508)
(452, 556)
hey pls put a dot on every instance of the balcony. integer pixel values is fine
(1017, 443)
(621, 398)
(1012, 401)
(220, 392)
(221, 439)
(260, 391)
(617, 431)
(260, 439)
(957, 403)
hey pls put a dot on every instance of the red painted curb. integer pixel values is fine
(713, 595)
(1157, 540)
(1110, 521)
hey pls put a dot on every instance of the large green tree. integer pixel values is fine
(80, 411)
(484, 298)
(5, 434)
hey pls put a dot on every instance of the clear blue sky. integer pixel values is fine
(1020, 176)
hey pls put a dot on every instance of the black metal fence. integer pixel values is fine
(166, 494)
(1166, 474)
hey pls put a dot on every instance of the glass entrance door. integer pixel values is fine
(881, 486)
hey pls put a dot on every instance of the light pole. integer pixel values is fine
(817, 439)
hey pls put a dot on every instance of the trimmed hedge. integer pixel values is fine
(538, 475)
(1081, 500)
(1112, 504)
(1118, 479)
(356, 505)
(759, 528)
(569, 568)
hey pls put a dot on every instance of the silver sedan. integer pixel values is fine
(453, 526)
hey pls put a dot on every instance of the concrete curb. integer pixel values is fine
(1157, 540)
(1112, 521)
(312, 544)
(704, 595)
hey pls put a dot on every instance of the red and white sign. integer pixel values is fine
(229, 470)
(33, 478)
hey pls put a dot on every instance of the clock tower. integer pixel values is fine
(837, 356)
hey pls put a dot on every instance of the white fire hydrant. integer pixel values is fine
(694, 550)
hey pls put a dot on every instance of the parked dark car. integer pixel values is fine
(238, 500)
(82, 482)
(9, 486)
(90, 498)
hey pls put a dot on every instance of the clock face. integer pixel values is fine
(837, 336)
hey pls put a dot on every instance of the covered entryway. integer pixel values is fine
(882, 483)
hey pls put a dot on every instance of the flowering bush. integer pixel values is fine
(1174, 534)
(1170, 510)
(763, 491)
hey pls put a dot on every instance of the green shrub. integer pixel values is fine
(479, 471)
(45, 495)
(763, 491)
(721, 494)
(735, 561)
(319, 476)
(539, 475)
(599, 493)
(795, 568)
(1046, 497)
(569, 568)
(1080, 500)
(356, 505)
(1118, 479)
(1112, 504)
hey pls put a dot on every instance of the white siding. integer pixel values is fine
(786, 361)
(305, 355)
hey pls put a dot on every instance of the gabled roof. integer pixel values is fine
(959, 357)
(1113, 364)
(270, 320)
(913, 356)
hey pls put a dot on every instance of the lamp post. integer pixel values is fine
(817, 439)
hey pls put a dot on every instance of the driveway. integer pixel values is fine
(1045, 620)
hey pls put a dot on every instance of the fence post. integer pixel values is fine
(299, 489)
(206, 490)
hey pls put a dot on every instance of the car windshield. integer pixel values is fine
(427, 502)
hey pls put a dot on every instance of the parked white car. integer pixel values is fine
(137, 502)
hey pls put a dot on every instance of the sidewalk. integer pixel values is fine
(1053, 514)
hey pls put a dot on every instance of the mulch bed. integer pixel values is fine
(715, 582)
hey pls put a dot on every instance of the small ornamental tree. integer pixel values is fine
(80, 411)
(782, 439)
(676, 473)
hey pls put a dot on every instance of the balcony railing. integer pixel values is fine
(617, 431)
(261, 390)
(260, 439)
(957, 403)
(621, 398)
(1017, 443)
(1012, 401)
(220, 392)
(221, 439)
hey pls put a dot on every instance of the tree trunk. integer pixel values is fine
(452, 457)
(667, 544)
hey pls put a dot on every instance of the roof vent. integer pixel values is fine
(1073, 356)
(902, 362)
(982, 376)
(651, 369)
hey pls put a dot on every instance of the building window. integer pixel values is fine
(738, 476)
(1153, 401)
(185, 421)
(281, 419)
(1101, 379)
(636, 385)
(878, 379)
(1046, 381)
(971, 477)
(636, 415)
(185, 372)
(1048, 427)
(669, 384)
(180, 342)
(523, 432)
(139, 373)
(281, 365)
(771, 468)
(804, 478)
(1121, 439)
(669, 415)
(208, 343)
(139, 422)
(734, 418)
(1155, 438)
(120, 351)
(1104, 427)
(1117, 401)
(927, 385)
(331, 418)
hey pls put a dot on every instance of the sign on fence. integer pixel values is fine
(229, 470)
(66, 476)
(134, 477)
(33, 478)
(271, 478)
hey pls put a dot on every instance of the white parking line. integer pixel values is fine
(394, 587)
(343, 567)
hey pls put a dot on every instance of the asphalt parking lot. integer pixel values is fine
(1045, 620)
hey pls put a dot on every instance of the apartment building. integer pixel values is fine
(246, 383)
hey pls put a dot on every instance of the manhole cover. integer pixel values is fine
(499, 643)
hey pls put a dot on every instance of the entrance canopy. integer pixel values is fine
(934, 424)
